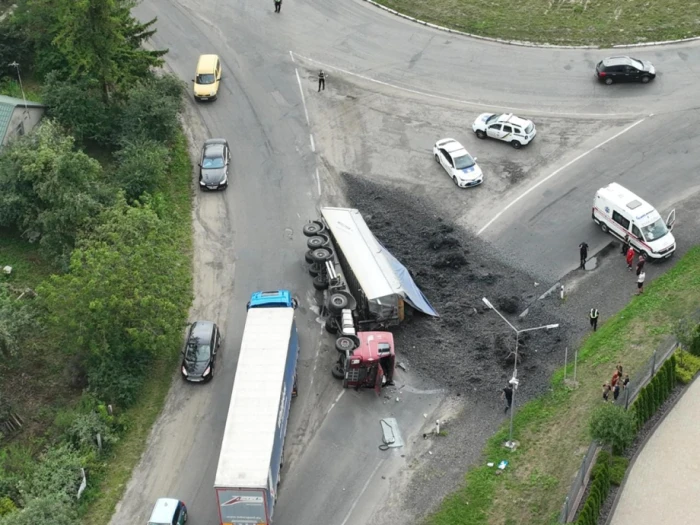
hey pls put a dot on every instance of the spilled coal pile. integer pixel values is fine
(469, 348)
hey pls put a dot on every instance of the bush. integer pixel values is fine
(613, 426)
(57, 471)
(142, 167)
(687, 366)
(618, 468)
(14, 46)
(16, 464)
(16, 318)
(6, 506)
(695, 341)
(118, 378)
(54, 509)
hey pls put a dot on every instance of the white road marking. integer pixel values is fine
(557, 171)
(313, 146)
(318, 186)
(364, 487)
(336, 400)
(291, 55)
(460, 101)
(303, 100)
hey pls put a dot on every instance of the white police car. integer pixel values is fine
(507, 127)
(458, 163)
(168, 511)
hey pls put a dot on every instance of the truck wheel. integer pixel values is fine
(338, 372)
(321, 255)
(320, 283)
(337, 302)
(313, 270)
(317, 241)
(345, 344)
(308, 258)
(313, 228)
(604, 227)
(331, 327)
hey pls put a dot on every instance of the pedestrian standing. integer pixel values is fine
(625, 245)
(594, 319)
(630, 258)
(583, 251)
(606, 392)
(615, 379)
(278, 6)
(619, 369)
(616, 391)
(640, 282)
(507, 396)
(321, 80)
(640, 263)
(626, 381)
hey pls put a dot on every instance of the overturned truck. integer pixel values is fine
(367, 289)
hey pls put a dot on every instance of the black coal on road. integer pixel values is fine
(468, 348)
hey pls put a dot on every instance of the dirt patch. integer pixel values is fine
(468, 348)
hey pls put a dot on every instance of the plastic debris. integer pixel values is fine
(402, 366)
(489, 464)
(502, 465)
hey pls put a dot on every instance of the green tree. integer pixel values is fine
(613, 426)
(124, 300)
(14, 47)
(53, 509)
(57, 471)
(142, 167)
(49, 191)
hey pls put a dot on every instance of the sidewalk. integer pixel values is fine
(663, 485)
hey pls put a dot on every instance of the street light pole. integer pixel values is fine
(514, 380)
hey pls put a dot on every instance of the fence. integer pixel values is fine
(643, 376)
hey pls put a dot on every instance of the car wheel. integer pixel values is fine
(645, 79)
(516, 144)
(437, 159)
(608, 81)
(317, 241)
(320, 283)
(321, 255)
(313, 228)
(480, 134)
(337, 302)
(308, 258)
(604, 227)
(338, 372)
(646, 255)
(454, 179)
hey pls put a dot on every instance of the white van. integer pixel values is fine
(619, 211)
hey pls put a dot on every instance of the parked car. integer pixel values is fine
(168, 511)
(213, 165)
(199, 354)
(624, 69)
(506, 127)
(458, 163)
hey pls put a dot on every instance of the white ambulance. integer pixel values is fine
(622, 213)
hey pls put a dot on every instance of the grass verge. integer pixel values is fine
(111, 483)
(575, 22)
(553, 429)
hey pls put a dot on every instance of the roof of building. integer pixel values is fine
(7, 107)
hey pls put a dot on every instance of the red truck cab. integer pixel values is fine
(372, 363)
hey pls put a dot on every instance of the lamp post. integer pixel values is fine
(15, 64)
(514, 380)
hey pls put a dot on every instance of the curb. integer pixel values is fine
(523, 43)
(652, 431)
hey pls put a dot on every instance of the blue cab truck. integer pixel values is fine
(252, 448)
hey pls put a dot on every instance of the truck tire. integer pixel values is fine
(317, 241)
(320, 283)
(313, 270)
(321, 255)
(337, 303)
(345, 344)
(337, 371)
(308, 258)
(331, 326)
(313, 228)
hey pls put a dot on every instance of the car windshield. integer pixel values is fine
(197, 353)
(206, 79)
(212, 162)
(654, 231)
(529, 128)
(491, 118)
(636, 63)
(463, 162)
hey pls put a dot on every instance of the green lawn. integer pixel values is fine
(553, 430)
(563, 22)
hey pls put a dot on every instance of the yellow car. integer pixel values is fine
(208, 77)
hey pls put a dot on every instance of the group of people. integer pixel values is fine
(628, 252)
(617, 383)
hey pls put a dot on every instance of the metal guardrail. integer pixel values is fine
(637, 381)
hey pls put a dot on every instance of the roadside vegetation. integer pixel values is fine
(577, 22)
(555, 430)
(95, 223)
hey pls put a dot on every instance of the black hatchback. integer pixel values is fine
(199, 354)
(624, 69)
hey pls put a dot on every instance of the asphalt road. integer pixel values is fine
(248, 238)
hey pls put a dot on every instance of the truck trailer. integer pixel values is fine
(251, 454)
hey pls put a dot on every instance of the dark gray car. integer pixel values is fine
(199, 354)
(213, 165)
(624, 69)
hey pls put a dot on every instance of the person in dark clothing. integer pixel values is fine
(321, 80)
(583, 250)
(616, 391)
(625, 245)
(594, 319)
(278, 6)
(640, 263)
(606, 392)
(626, 381)
(507, 395)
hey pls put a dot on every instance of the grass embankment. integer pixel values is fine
(571, 22)
(140, 418)
(553, 430)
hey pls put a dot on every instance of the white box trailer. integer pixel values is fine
(252, 448)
